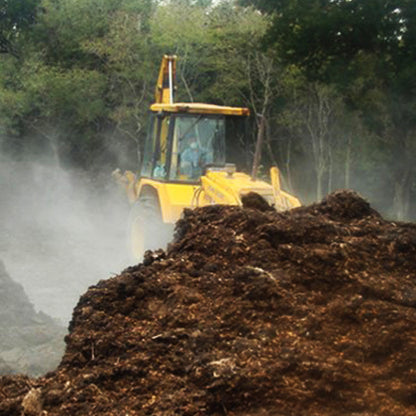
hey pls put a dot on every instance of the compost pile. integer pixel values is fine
(250, 312)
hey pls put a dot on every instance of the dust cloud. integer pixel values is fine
(60, 232)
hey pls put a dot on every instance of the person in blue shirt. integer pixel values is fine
(190, 164)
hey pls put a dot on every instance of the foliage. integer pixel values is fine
(15, 18)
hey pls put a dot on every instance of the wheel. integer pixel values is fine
(146, 230)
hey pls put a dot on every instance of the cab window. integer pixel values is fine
(156, 148)
(198, 141)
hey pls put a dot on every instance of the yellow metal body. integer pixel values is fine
(216, 187)
(227, 188)
(200, 108)
(173, 197)
(165, 87)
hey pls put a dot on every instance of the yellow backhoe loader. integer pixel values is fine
(184, 166)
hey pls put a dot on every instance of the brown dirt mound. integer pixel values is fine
(251, 312)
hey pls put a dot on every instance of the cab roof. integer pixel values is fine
(200, 108)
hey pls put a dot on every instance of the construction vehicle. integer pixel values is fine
(184, 166)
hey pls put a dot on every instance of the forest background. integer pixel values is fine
(335, 80)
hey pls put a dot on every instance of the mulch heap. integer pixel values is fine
(250, 312)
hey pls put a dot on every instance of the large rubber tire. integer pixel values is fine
(146, 230)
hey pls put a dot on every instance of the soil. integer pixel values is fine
(249, 312)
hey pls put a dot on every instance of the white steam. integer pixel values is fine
(60, 232)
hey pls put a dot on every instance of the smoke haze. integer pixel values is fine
(60, 232)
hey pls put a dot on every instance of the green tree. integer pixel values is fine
(311, 114)
(182, 29)
(244, 75)
(79, 74)
(15, 18)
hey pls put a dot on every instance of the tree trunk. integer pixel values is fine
(347, 166)
(401, 199)
(259, 145)
(330, 169)
(287, 163)
(319, 180)
(272, 157)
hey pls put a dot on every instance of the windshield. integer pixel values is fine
(198, 141)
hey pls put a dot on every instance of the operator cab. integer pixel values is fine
(180, 145)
